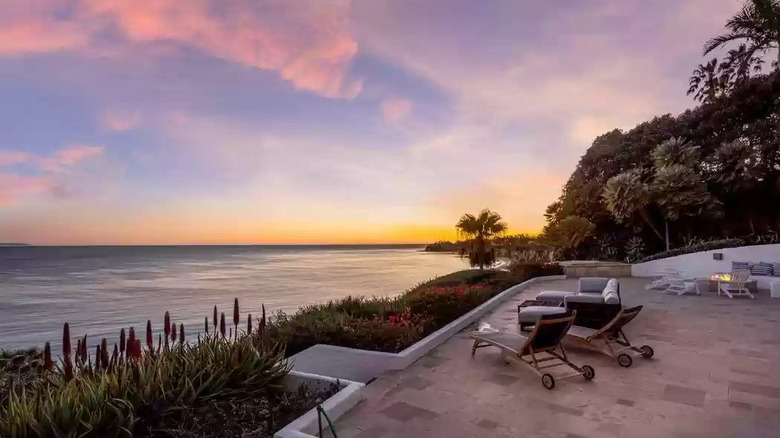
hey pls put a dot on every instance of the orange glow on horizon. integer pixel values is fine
(172, 232)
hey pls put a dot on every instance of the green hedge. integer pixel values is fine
(704, 246)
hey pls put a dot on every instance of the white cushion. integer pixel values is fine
(612, 298)
(532, 313)
(611, 287)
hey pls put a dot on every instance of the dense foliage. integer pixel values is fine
(393, 324)
(712, 172)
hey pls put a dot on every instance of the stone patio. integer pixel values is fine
(712, 375)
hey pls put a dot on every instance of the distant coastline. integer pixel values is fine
(14, 244)
(444, 246)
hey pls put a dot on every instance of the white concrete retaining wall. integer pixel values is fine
(363, 365)
(702, 264)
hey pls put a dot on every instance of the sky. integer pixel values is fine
(318, 121)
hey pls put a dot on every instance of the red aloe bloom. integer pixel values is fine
(47, 362)
(222, 328)
(78, 350)
(104, 353)
(130, 342)
(114, 356)
(167, 324)
(149, 336)
(66, 347)
(181, 334)
(173, 332)
(249, 324)
(206, 325)
(122, 340)
(236, 318)
(261, 328)
(84, 349)
(215, 319)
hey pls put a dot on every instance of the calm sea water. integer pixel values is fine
(99, 290)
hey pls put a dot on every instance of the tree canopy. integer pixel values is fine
(711, 172)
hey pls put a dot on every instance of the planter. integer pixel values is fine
(337, 405)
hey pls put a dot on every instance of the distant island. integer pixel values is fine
(14, 244)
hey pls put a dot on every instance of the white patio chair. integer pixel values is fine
(664, 279)
(680, 286)
(736, 285)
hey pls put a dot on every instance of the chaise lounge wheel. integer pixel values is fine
(647, 351)
(548, 381)
(624, 360)
(588, 372)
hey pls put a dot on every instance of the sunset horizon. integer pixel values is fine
(336, 121)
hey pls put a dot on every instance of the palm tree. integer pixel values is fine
(480, 229)
(627, 196)
(573, 230)
(757, 24)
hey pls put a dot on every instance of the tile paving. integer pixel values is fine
(713, 375)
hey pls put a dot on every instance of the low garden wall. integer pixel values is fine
(593, 268)
(703, 264)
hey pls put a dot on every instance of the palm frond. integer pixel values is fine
(720, 40)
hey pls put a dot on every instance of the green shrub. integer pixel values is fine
(703, 246)
(522, 271)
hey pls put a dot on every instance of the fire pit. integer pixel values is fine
(725, 276)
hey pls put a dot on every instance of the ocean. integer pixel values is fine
(100, 289)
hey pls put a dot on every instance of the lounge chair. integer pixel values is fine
(736, 285)
(663, 278)
(545, 338)
(612, 334)
(680, 286)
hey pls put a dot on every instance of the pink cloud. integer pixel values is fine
(68, 157)
(395, 109)
(30, 26)
(13, 187)
(120, 121)
(307, 42)
(8, 158)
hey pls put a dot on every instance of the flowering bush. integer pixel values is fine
(392, 324)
